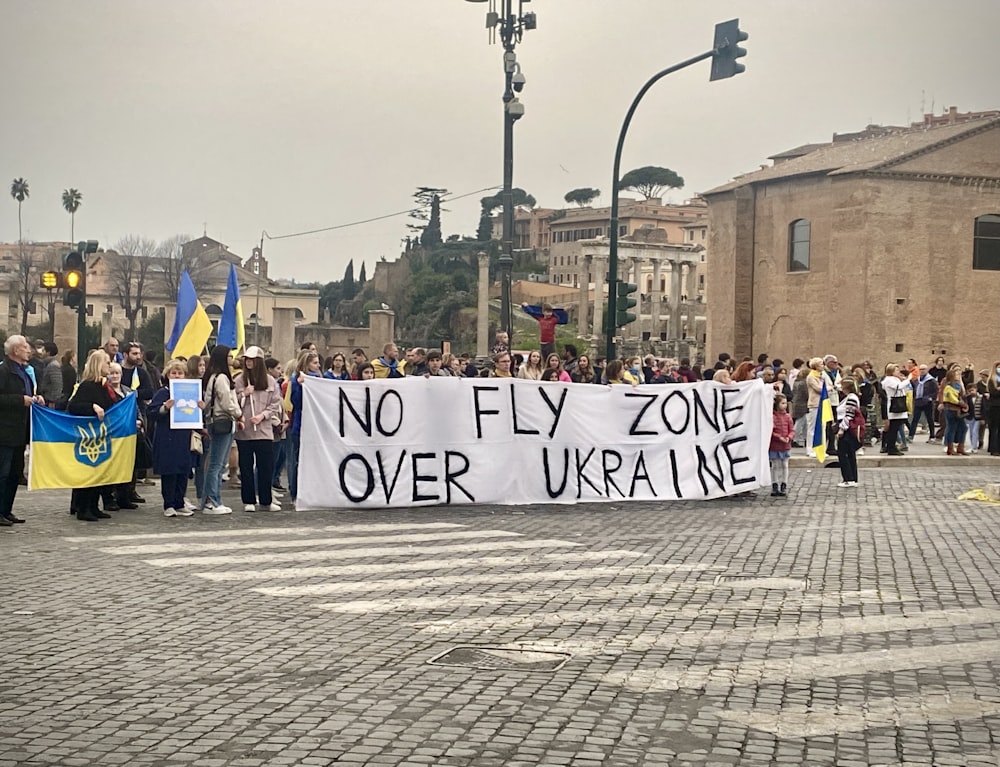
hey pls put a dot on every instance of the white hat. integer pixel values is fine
(253, 353)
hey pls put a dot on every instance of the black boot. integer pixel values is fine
(784, 490)
(774, 489)
(87, 515)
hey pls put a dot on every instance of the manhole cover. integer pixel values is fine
(493, 658)
(757, 582)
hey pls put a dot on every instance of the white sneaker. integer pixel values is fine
(276, 494)
(225, 476)
(185, 512)
(811, 454)
(189, 506)
(249, 507)
(169, 513)
(273, 507)
(847, 484)
(861, 451)
(217, 510)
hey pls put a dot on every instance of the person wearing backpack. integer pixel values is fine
(850, 431)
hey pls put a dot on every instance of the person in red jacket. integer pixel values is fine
(547, 318)
(780, 448)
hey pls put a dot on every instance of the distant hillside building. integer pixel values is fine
(881, 245)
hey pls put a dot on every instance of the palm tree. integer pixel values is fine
(71, 202)
(19, 191)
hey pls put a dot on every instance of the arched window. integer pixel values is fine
(798, 245)
(986, 243)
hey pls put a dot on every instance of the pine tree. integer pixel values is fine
(362, 279)
(348, 289)
(432, 232)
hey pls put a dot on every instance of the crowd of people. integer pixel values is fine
(252, 406)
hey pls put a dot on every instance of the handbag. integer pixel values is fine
(218, 425)
(897, 404)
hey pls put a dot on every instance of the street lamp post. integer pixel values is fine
(511, 26)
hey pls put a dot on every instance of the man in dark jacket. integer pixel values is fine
(135, 377)
(17, 393)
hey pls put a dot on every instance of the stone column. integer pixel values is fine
(482, 308)
(107, 330)
(600, 266)
(581, 322)
(675, 300)
(381, 330)
(636, 327)
(64, 334)
(283, 346)
(657, 294)
(686, 281)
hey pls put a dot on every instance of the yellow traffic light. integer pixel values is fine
(72, 280)
(50, 280)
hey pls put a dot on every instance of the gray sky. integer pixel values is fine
(305, 114)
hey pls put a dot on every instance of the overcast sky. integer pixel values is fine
(238, 117)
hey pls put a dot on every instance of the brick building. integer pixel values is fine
(883, 246)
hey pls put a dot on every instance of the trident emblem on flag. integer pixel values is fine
(93, 447)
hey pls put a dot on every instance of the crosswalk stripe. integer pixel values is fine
(277, 573)
(626, 614)
(591, 593)
(189, 548)
(832, 627)
(224, 533)
(411, 584)
(797, 721)
(721, 677)
(361, 553)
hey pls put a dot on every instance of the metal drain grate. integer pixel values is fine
(758, 582)
(500, 658)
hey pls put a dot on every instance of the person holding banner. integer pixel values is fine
(17, 395)
(93, 397)
(306, 365)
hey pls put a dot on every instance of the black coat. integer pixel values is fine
(88, 394)
(14, 416)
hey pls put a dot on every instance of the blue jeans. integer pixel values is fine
(279, 460)
(292, 450)
(217, 461)
(954, 427)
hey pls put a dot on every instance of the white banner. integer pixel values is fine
(460, 441)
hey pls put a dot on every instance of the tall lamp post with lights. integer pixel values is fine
(511, 26)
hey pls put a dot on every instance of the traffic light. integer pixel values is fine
(623, 316)
(726, 49)
(50, 280)
(73, 279)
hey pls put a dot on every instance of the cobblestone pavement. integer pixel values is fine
(835, 627)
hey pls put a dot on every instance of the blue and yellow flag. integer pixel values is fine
(82, 451)
(823, 417)
(231, 330)
(192, 327)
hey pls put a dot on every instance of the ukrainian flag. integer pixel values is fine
(82, 451)
(192, 327)
(823, 417)
(231, 330)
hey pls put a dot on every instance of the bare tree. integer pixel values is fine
(172, 262)
(130, 269)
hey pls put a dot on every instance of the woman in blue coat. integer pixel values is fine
(171, 447)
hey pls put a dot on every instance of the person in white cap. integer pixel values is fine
(258, 396)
